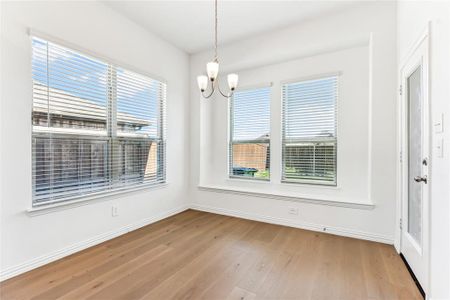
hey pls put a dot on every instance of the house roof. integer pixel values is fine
(66, 104)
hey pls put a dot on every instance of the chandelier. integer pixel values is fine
(212, 69)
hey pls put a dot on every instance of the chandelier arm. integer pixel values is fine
(211, 93)
(220, 91)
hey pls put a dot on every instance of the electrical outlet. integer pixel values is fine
(114, 211)
(293, 211)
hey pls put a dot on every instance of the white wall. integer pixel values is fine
(370, 26)
(413, 18)
(29, 240)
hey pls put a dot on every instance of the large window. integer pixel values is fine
(97, 128)
(250, 134)
(309, 131)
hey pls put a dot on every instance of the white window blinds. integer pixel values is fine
(97, 128)
(249, 148)
(309, 131)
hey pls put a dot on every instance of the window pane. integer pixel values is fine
(66, 167)
(251, 160)
(138, 156)
(309, 131)
(251, 114)
(70, 90)
(139, 100)
(310, 161)
(250, 133)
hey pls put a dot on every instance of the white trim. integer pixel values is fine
(58, 254)
(425, 34)
(296, 224)
(285, 196)
(87, 199)
(369, 121)
(400, 151)
(403, 241)
(367, 40)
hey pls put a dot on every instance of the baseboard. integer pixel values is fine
(48, 258)
(45, 259)
(302, 225)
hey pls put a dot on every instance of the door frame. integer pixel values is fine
(402, 148)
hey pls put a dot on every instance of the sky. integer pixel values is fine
(310, 110)
(251, 113)
(86, 77)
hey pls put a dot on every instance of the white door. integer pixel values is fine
(415, 163)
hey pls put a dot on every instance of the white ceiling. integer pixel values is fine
(189, 25)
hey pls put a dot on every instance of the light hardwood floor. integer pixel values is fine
(197, 255)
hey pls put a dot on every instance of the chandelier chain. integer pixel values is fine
(215, 32)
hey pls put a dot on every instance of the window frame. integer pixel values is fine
(110, 134)
(314, 141)
(254, 141)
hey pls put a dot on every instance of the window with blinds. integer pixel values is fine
(97, 128)
(249, 147)
(309, 138)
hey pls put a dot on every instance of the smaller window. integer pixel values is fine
(249, 147)
(309, 131)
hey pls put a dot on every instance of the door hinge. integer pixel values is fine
(401, 224)
(401, 156)
(400, 90)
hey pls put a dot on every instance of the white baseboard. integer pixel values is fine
(297, 224)
(58, 254)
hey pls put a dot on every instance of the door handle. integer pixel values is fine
(421, 179)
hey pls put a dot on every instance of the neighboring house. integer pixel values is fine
(251, 155)
(85, 159)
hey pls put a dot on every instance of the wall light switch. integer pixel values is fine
(114, 211)
(439, 124)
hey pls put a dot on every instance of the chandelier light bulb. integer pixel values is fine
(202, 82)
(212, 68)
(232, 81)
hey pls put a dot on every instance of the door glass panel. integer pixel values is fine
(414, 89)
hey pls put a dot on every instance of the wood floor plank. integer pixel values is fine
(240, 294)
(376, 276)
(52, 274)
(193, 280)
(198, 255)
(93, 286)
(352, 286)
(115, 257)
(396, 271)
(306, 265)
(139, 281)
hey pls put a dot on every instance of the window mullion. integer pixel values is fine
(112, 123)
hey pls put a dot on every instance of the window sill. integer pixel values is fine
(58, 206)
(247, 180)
(287, 196)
